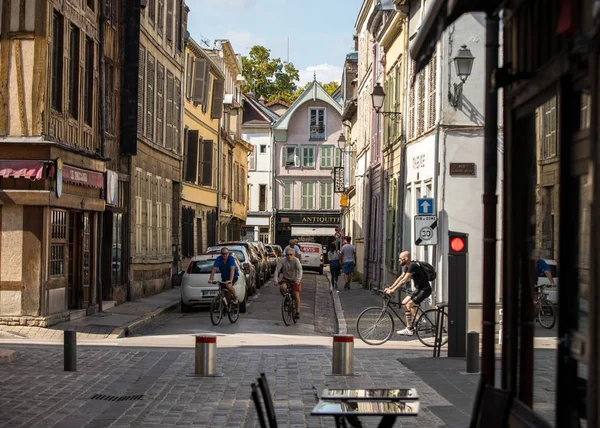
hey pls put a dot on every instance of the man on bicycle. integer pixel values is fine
(291, 269)
(414, 271)
(228, 269)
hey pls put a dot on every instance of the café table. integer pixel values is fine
(349, 405)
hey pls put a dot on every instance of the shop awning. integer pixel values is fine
(440, 15)
(312, 231)
(34, 170)
(83, 177)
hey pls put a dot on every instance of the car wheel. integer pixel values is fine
(243, 307)
(184, 308)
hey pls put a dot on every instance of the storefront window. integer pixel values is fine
(117, 250)
(58, 242)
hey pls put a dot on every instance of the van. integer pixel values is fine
(311, 257)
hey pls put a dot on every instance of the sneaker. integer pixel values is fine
(406, 332)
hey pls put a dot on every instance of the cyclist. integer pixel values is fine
(291, 270)
(414, 271)
(294, 246)
(228, 269)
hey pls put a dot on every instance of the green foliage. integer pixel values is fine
(269, 77)
(331, 87)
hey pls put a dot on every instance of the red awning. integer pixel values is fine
(83, 177)
(34, 170)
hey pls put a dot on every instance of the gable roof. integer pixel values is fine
(314, 91)
(267, 115)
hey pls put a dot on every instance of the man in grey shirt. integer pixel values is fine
(347, 258)
(291, 270)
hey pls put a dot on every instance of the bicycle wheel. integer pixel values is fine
(426, 327)
(234, 311)
(293, 311)
(286, 309)
(216, 309)
(546, 315)
(375, 325)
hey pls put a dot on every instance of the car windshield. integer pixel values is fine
(202, 266)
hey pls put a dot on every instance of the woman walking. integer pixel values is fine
(334, 264)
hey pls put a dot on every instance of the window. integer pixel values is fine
(289, 156)
(110, 96)
(159, 231)
(149, 228)
(252, 159)
(198, 85)
(308, 157)
(327, 156)
(187, 231)
(141, 88)
(206, 178)
(90, 4)
(431, 91)
(150, 97)
(110, 11)
(317, 123)
(549, 129)
(74, 72)
(262, 197)
(170, 93)
(177, 117)
(160, 17)
(243, 185)
(169, 31)
(308, 196)
(421, 102)
(151, 12)
(89, 82)
(288, 191)
(138, 211)
(168, 224)
(58, 242)
(326, 196)
(57, 60)
(160, 104)
(263, 149)
(411, 103)
(117, 249)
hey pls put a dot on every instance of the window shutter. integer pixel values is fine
(169, 30)
(191, 156)
(252, 160)
(200, 74)
(150, 98)
(141, 87)
(160, 17)
(160, 104)
(177, 117)
(169, 138)
(217, 99)
(189, 76)
(431, 87)
(207, 160)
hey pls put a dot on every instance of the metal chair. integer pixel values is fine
(266, 393)
(259, 410)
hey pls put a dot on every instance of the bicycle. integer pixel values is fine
(223, 304)
(544, 308)
(375, 325)
(288, 305)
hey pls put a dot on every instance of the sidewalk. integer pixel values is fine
(112, 323)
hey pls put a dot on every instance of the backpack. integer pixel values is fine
(428, 270)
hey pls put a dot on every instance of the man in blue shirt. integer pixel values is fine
(542, 268)
(228, 269)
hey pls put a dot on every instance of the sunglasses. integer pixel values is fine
(289, 254)
(224, 254)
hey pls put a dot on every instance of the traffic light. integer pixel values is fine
(458, 243)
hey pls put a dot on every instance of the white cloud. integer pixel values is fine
(242, 41)
(325, 73)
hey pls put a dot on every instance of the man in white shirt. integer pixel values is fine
(294, 247)
(348, 260)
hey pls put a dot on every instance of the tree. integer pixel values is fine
(331, 87)
(269, 77)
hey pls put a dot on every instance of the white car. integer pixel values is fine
(195, 289)
(311, 257)
(543, 280)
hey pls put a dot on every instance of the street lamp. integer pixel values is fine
(463, 61)
(378, 97)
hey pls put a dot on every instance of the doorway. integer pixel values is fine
(80, 257)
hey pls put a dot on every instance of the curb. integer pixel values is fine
(337, 307)
(127, 329)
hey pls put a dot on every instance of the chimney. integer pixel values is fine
(262, 100)
(355, 37)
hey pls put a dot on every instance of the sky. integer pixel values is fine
(319, 31)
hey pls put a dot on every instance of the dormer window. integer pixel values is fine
(317, 123)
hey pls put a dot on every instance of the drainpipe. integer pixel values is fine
(439, 207)
(102, 135)
(219, 158)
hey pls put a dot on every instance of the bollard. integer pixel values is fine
(70, 349)
(206, 356)
(472, 352)
(342, 362)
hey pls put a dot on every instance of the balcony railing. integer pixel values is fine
(317, 132)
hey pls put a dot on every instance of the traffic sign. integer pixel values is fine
(425, 206)
(425, 230)
(337, 235)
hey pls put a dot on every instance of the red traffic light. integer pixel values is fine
(457, 244)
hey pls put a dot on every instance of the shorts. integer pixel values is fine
(295, 287)
(348, 267)
(420, 294)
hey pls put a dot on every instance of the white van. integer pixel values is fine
(311, 257)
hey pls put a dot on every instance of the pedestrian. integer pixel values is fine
(334, 264)
(294, 246)
(422, 291)
(348, 259)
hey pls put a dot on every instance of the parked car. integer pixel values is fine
(273, 257)
(247, 266)
(311, 257)
(257, 260)
(277, 249)
(265, 255)
(543, 280)
(195, 289)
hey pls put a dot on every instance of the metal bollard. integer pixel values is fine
(206, 356)
(342, 362)
(70, 349)
(472, 352)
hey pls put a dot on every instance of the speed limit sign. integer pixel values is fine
(425, 230)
